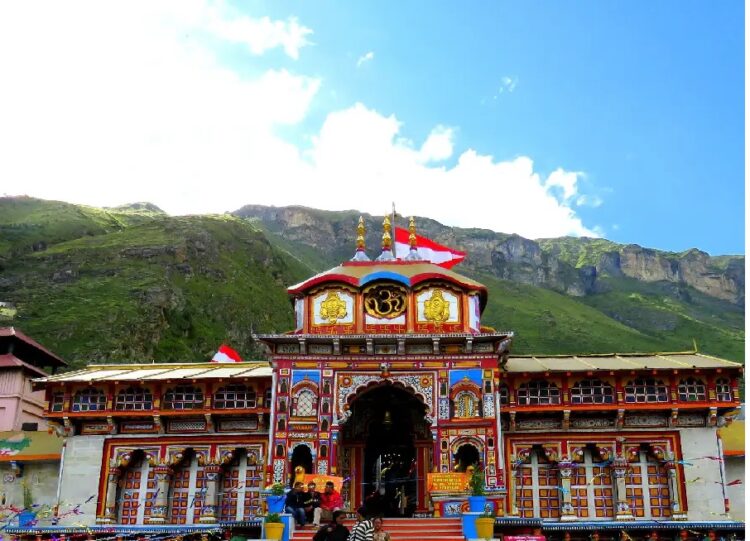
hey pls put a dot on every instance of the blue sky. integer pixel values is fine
(624, 120)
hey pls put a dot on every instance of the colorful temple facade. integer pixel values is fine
(390, 381)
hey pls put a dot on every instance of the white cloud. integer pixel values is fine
(260, 34)
(130, 109)
(438, 146)
(365, 58)
(507, 84)
(589, 201)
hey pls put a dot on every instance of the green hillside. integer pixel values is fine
(133, 284)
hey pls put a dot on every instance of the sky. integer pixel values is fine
(622, 120)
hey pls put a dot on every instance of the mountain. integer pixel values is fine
(134, 284)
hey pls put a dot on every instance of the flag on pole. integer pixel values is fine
(226, 355)
(428, 250)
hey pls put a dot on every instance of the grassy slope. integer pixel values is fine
(169, 289)
(129, 285)
(547, 322)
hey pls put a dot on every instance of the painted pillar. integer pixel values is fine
(622, 507)
(160, 509)
(674, 490)
(211, 502)
(110, 497)
(567, 512)
(514, 465)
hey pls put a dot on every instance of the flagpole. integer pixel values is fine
(393, 225)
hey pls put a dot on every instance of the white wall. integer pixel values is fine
(735, 469)
(80, 478)
(704, 493)
(41, 477)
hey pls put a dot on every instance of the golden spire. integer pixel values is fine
(360, 254)
(386, 254)
(386, 234)
(413, 254)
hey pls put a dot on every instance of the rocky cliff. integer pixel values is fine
(568, 265)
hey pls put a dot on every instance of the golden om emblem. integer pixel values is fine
(436, 308)
(385, 302)
(332, 308)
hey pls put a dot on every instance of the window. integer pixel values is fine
(183, 397)
(537, 489)
(723, 390)
(89, 400)
(646, 390)
(692, 390)
(134, 399)
(592, 391)
(538, 393)
(306, 405)
(647, 488)
(504, 395)
(465, 405)
(58, 402)
(591, 490)
(235, 396)
(269, 398)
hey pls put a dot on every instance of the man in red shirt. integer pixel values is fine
(330, 501)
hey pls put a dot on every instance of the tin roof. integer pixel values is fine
(615, 361)
(12, 340)
(161, 371)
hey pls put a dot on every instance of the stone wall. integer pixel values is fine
(705, 498)
(80, 478)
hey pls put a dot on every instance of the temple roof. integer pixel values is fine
(161, 372)
(616, 361)
(15, 342)
(409, 273)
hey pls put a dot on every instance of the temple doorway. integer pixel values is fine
(391, 441)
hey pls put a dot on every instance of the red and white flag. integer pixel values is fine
(427, 250)
(226, 355)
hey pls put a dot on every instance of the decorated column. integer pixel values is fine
(619, 467)
(565, 467)
(163, 474)
(211, 502)
(674, 498)
(110, 496)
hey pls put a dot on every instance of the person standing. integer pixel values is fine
(330, 501)
(295, 504)
(379, 534)
(335, 531)
(363, 529)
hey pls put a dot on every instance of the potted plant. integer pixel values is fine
(276, 497)
(274, 526)
(486, 524)
(27, 517)
(477, 498)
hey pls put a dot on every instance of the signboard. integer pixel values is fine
(525, 538)
(321, 480)
(447, 482)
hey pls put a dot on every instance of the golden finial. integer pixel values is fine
(361, 235)
(386, 234)
(360, 254)
(412, 234)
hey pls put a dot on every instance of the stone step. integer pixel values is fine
(406, 529)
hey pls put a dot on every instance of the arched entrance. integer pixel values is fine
(389, 444)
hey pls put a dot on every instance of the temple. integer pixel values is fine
(390, 382)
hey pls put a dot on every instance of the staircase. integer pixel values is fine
(406, 529)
